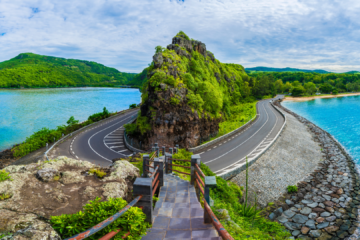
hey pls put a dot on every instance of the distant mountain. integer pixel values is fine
(267, 69)
(32, 70)
(353, 72)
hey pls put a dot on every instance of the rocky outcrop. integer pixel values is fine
(21, 226)
(55, 187)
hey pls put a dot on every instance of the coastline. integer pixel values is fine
(303, 99)
(331, 193)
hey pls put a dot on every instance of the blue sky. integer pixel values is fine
(309, 34)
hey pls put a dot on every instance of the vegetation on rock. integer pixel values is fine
(31, 70)
(4, 175)
(185, 83)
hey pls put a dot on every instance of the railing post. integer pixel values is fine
(146, 159)
(177, 148)
(143, 186)
(163, 149)
(195, 159)
(168, 162)
(157, 151)
(210, 182)
(171, 151)
(160, 162)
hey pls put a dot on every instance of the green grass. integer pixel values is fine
(240, 115)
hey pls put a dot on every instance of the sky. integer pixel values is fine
(310, 34)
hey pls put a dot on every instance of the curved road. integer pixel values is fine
(231, 153)
(104, 142)
(101, 143)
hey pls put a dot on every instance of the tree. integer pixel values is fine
(159, 49)
(72, 121)
(279, 86)
(298, 91)
(326, 88)
(310, 88)
(132, 106)
(287, 87)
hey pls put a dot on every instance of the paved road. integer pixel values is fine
(232, 152)
(104, 142)
(99, 144)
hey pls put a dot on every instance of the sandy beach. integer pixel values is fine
(301, 99)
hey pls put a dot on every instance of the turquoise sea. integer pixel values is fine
(338, 116)
(23, 112)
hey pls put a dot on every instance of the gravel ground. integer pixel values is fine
(290, 160)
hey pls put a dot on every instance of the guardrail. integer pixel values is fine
(200, 147)
(81, 129)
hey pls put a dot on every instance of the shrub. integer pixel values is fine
(132, 106)
(4, 196)
(95, 212)
(174, 101)
(130, 128)
(4, 175)
(292, 189)
(97, 172)
(72, 121)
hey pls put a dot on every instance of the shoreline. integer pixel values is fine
(328, 199)
(303, 99)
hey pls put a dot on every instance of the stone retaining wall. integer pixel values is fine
(327, 203)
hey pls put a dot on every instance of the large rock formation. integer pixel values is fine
(186, 94)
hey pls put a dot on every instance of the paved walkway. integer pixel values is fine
(178, 214)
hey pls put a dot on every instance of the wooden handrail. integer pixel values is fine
(198, 177)
(217, 224)
(199, 170)
(182, 172)
(179, 165)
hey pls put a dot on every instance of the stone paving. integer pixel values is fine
(178, 213)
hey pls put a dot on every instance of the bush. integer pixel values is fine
(95, 212)
(292, 189)
(132, 106)
(4, 175)
(4, 196)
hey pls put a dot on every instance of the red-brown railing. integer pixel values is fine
(217, 224)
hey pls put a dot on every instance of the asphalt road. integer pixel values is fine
(104, 142)
(99, 144)
(221, 157)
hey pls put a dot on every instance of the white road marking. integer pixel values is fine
(113, 142)
(123, 150)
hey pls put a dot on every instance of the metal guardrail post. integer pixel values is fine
(157, 151)
(160, 162)
(210, 182)
(143, 186)
(156, 145)
(168, 162)
(171, 151)
(146, 159)
(195, 159)
(163, 150)
(177, 148)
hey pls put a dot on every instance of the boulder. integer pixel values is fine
(23, 226)
(47, 174)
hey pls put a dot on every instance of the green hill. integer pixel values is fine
(267, 69)
(31, 70)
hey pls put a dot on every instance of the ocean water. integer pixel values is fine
(338, 116)
(23, 112)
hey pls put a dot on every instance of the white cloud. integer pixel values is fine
(123, 33)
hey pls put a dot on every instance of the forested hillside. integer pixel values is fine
(267, 69)
(300, 83)
(31, 70)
